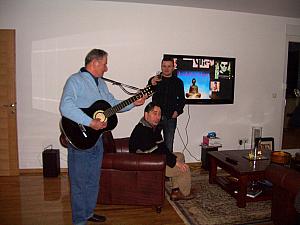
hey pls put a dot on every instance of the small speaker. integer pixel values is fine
(51, 163)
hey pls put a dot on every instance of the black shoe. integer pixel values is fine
(97, 218)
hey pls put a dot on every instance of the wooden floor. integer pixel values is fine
(35, 200)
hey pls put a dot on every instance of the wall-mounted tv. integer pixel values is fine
(206, 79)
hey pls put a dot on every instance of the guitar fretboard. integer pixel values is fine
(113, 110)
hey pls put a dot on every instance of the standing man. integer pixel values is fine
(169, 94)
(146, 138)
(81, 90)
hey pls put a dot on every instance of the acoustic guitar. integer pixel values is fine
(83, 137)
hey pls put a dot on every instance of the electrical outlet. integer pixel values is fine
(243, 141)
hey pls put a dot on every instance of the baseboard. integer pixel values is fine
(39, 171)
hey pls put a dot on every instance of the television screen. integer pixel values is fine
(206, 79)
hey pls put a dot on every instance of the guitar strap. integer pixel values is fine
(121, 85)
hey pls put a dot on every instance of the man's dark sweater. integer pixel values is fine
(147, 139)
(169, 94)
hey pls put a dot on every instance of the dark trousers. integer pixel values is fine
(169, 127)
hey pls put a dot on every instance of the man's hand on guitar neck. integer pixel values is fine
(140, 101)
(97, 124)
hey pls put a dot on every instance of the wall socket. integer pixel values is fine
(243, 141)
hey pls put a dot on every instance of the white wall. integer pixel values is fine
(53, 37)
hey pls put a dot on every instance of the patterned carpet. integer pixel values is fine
(213, 206)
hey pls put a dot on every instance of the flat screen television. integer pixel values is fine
(206, 79)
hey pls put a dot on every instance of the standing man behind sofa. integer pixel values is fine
(169, 94)
(146, 138)
(81, 90)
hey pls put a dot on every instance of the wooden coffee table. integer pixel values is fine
(242, 172)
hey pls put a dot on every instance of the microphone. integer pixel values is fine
(159, 74)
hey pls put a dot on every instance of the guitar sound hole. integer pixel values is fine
(99, 115)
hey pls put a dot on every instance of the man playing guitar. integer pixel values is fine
(81, 90)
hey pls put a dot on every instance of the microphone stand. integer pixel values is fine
(121, 85)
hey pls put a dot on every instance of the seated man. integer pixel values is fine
(146, 138)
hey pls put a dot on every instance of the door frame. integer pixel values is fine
(289, 38)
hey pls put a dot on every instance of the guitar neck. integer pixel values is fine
(113, 110)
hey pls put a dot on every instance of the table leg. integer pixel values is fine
(212, 170)
(241, 196)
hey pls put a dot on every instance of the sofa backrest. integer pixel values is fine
(108, 142)
(122, 144)
(112, 145)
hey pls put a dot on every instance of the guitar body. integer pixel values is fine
(84, 137)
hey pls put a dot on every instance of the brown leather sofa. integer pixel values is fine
(286, 185)
(295, 162)
(130, 179)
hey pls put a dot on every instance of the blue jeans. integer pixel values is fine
(84, 173)
(169, 127)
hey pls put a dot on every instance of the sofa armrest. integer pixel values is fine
(133, 162)
(283, 177)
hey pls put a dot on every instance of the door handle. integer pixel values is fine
(11, 105)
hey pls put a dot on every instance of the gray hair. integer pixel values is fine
(95, 54)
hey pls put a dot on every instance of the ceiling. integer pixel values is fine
(285, 8)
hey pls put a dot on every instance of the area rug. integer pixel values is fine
(213, 206)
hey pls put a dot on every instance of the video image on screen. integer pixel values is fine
(206, 80)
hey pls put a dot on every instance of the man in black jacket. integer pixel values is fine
(169, 94)
(146, 138)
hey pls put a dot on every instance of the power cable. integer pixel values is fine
(187, 136)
